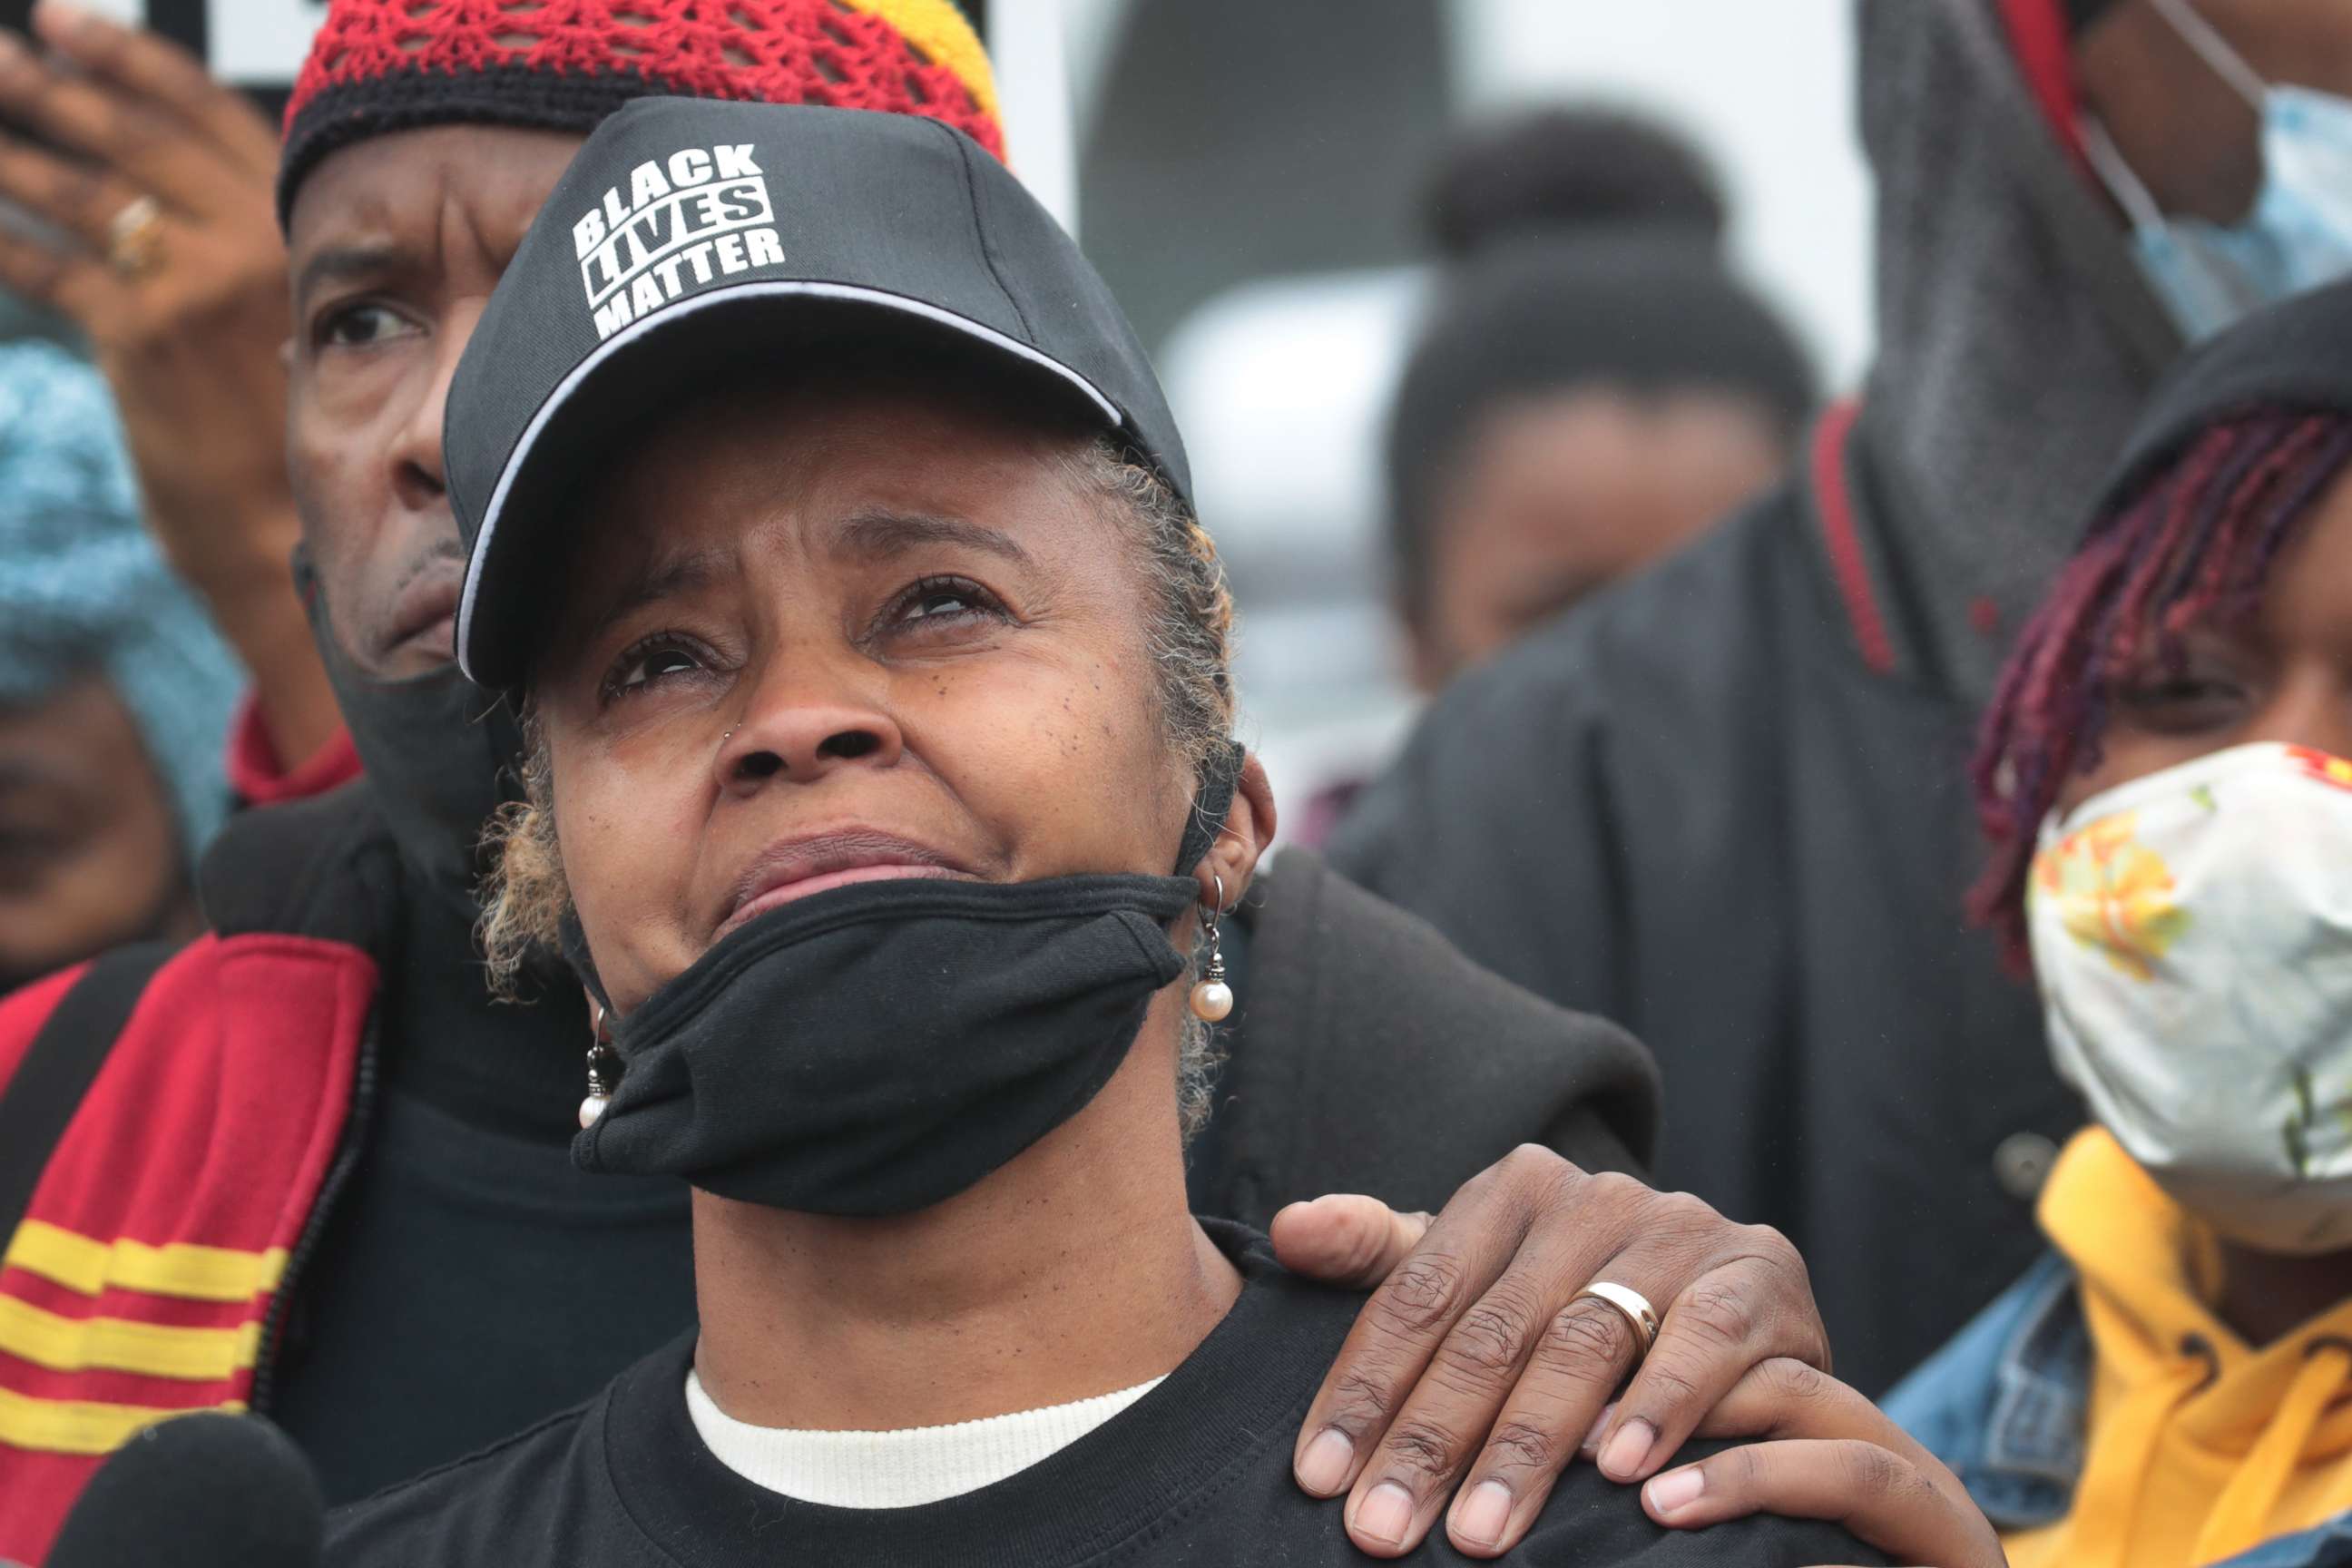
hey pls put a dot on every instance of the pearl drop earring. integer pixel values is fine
(603, 1069)
(1212, 999)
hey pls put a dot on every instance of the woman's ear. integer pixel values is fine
(1247, 831)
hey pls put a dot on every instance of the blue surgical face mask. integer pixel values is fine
(2298, 235)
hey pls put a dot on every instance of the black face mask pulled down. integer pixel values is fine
(880, 1047)
(441, 754)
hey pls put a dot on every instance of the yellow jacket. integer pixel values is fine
(2199, 1445)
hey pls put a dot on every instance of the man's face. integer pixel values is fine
(89, 855)
(396, 244)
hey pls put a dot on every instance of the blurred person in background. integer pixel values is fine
(355, 1208)
(1720, 802)
(173, 271)
(2166, 778)
(114, 689)
(1593, 387)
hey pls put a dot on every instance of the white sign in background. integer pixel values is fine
(261, 42)
(254, 43)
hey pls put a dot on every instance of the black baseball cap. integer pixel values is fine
(688, 231)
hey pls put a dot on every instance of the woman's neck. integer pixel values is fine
(2267, 1295)
(1073, 1271)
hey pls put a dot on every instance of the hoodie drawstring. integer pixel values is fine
(2241, 1517)
(2106, 1500)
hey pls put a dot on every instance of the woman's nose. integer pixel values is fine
(802, 741)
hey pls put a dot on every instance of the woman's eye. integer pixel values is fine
(945, 599)
(639, 669)
(363, 326)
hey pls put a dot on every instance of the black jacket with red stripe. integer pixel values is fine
(1726, 802)
(1731, 832)
(175, 1127)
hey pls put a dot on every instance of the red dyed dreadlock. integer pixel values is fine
(2193, 543)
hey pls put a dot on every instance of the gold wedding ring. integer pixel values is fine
(1638, 1313)
(134, 237)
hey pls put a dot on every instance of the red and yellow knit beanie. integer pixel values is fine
(380, 66)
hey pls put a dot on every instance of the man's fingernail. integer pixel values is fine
(61, 16)
(1484, 1514)
(12, 48)
(1386, 1514)
(1591, 1444)
(1627, 1447)
(1323, 1468)
(1676, 1490)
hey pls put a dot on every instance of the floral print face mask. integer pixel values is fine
(2192, 936)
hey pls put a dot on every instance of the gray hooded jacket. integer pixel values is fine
(1725, 803)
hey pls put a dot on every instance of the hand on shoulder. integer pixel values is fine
(1479, 1367)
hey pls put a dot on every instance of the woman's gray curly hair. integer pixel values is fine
(525, 899)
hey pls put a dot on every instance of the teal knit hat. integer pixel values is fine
(83, 588)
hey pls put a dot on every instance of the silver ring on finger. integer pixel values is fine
(1634, 1306)
(134, 237)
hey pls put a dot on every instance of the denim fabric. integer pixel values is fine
(2329, 1546)
(2004, 1405)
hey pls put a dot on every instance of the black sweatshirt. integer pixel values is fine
(1197, 1472)
(473, 1281)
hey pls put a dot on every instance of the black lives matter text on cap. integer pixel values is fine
(701, 213)
(689, 231)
